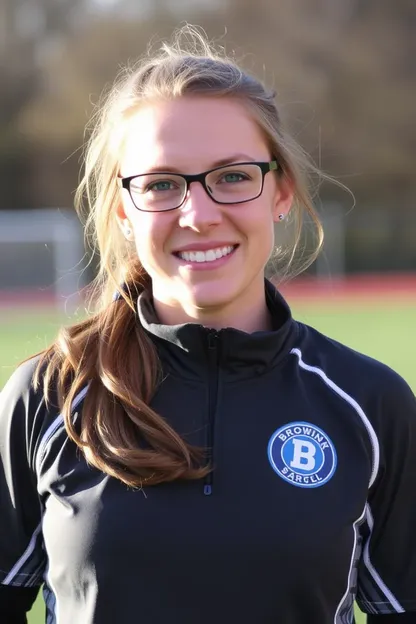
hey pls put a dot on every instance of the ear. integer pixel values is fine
(124, 222)
(283, 198)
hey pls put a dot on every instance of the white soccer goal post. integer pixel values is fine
(42, 250)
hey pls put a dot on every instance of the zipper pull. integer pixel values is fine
(208, 484)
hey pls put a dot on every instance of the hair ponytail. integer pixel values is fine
(118, 432)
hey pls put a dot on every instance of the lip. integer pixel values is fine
(205, 246)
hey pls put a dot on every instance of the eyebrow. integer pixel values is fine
(235, 158)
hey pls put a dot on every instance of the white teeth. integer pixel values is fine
(205, 256)
(199, 256)
(210, 255)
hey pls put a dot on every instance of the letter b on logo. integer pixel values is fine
(303, 455)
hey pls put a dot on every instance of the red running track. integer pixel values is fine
(370, 287)
(394, 287)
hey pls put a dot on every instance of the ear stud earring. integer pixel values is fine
(281, 217)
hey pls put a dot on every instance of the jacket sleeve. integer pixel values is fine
(387, 568)
(22, 557)
(396, 618)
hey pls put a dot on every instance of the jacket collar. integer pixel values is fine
(191, 349)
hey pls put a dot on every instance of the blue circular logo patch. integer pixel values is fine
(302, 454)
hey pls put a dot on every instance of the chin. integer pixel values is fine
(215, 295)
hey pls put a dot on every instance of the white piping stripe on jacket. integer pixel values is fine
(58, 422)
(29, 550)
(350, 580)
(376, 461)
(372, 434)
(367, 562)
(42, 447)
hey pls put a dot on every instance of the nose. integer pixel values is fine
(199, 212)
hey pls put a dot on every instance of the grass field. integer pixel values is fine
(384, 329)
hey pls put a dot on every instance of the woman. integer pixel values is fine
(191, 453)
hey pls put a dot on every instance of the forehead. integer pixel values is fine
(189, 134)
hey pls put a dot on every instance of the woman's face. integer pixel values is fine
(189, 136)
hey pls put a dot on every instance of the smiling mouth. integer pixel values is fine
(209, 255)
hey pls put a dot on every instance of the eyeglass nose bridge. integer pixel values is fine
(197, 177)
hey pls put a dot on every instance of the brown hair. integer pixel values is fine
(119, 432)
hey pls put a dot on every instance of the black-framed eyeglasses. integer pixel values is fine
(236, 183)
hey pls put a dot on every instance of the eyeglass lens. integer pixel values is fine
(166, 191)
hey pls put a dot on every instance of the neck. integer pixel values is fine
(249, 313)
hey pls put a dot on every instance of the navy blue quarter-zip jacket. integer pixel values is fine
(311, 503)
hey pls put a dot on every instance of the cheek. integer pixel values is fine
(151, 232)
(260, 231)
(257, 220)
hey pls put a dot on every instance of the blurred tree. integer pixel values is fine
(29, 32)
(352, 63)
(344, 73)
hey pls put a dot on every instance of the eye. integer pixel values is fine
(231, 177)
(161, 185)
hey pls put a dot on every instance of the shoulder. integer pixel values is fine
(372, 384)
(24, 415)
(21, 382)
(343, 363)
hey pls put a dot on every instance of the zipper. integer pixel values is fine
(213, 374)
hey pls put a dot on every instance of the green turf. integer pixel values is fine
(387, 333)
